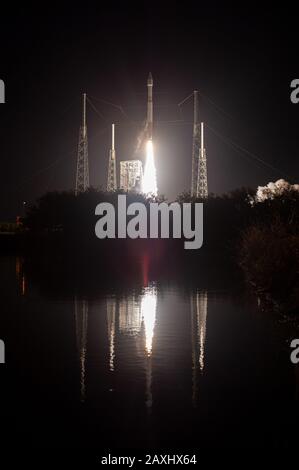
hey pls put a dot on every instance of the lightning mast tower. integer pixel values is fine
(112, 180)
(195, 146)
(202, 178)
(82, 176)
(199, 181)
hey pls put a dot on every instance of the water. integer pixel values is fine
(161, 365)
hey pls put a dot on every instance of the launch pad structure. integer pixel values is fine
(131, 174)
(82, 175)
(112, 177)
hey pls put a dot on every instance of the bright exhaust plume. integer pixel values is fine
(149, 184)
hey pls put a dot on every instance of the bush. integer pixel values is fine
(269, 256)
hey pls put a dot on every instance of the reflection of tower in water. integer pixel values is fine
(81, 321)
(111, 310)
(199, 306)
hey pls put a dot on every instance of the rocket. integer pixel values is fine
(150, 107)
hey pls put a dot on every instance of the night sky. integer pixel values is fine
(241, 61)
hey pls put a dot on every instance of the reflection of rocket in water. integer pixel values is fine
(199, 304)
(81, 316)
(150, 107)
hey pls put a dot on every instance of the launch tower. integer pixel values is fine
(199, 182)
(112, 180)
(82, 176)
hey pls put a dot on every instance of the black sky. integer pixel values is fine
(242, 60)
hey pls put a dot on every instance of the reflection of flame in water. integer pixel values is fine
(133, 312)
(199, 304)
(130, 317)
(149, 182)
(81, 316)
(148, 314)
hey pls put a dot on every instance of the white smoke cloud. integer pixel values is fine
(274, 189)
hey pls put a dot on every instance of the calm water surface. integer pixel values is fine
(144, 366)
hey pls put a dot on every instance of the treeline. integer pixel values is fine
(71, 215)
(261, 238)
(268, 250)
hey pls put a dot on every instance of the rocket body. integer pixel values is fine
(150, 107)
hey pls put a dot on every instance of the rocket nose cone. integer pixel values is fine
(150, 79)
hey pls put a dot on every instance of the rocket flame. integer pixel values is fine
(149, 183)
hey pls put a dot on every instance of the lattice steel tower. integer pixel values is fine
(202, 178)
(112, 180)
(199, 182)
(82, 176)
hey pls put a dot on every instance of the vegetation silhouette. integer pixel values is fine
(259, 238)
